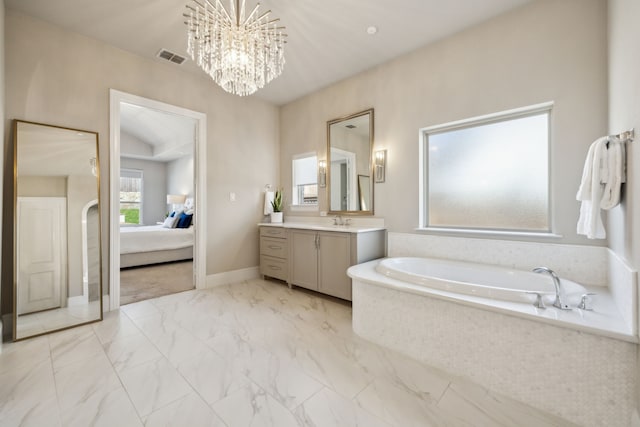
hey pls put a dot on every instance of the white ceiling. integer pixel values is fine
(327, 39)
(167, 136)
(53, 151)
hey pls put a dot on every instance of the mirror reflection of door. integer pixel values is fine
(157, 203)
(344, 193)
(349, 145)
(57, 221)
(41, 249)
(343, 180)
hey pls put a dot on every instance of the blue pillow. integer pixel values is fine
(185, 220)
(173, 214)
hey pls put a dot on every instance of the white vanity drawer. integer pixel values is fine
(273, 247)
(274, 267)
(273, 232)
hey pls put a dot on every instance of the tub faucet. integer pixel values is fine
(559, 301)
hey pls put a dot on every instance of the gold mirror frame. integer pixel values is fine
(356, 184)
(88, 162)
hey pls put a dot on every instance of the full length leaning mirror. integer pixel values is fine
(349, 164)
(57, 262)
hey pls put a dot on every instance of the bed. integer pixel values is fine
(154, 244)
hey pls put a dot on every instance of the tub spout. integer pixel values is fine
(559, 301)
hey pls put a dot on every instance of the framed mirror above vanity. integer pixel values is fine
(57, 263)
(349, 164)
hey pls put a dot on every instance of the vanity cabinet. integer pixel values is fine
(274, 253)
(320, 259)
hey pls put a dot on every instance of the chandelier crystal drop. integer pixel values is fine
(240, 52)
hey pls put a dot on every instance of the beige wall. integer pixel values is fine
(624, 113)
(41, 186)
(545, 51)
(60, 77)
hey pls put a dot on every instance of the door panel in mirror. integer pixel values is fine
(57, 262)
(349, 151)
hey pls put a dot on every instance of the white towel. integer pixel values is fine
(268, 198)
(602, 176)
(611, 191)
(589, 193)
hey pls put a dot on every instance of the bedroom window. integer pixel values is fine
(488, 174)
(130, 196)
(305, 180)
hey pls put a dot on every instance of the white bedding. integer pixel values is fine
(154, 238)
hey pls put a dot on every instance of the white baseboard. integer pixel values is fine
(234, 276)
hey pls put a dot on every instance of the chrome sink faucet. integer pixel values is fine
(337, 220)
(559, 301)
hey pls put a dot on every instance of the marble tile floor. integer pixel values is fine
(249, 354)
(43, 321)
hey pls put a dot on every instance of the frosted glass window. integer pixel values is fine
(490, 175)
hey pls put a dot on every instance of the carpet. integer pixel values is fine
(141, 283)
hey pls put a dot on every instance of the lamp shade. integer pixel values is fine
(175, 199)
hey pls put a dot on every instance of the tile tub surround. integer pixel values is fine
(251, 353)
(587, 265)
(588, 379)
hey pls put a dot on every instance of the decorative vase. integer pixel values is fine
(276, 217)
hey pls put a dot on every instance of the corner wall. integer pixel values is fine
(154, 188)
(543, 51)
(624, 113)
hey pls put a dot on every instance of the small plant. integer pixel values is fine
(276, 203)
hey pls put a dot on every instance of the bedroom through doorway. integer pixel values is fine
(154, 200)
(156, 203)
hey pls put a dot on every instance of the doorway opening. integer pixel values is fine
(157, 175)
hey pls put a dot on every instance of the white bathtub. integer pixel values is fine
(477, 321)
(477, 279)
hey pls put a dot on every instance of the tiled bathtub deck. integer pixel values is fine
(248, 354)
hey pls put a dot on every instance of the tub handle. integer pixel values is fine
(585, 301)
(538, 303)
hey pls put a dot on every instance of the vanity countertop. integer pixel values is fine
(322, 227)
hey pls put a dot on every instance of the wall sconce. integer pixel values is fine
(380, 164)
(93, 162)
(322, 173)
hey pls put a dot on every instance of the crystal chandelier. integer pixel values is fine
(241, 54)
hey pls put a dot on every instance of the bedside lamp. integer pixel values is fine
(175, 199)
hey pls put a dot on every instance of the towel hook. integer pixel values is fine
(267, 187)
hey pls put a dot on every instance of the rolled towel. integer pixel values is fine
(268, 198)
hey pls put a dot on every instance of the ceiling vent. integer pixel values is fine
(170, 56)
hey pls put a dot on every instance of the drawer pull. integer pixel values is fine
(275, 267)
(273, 232)
(275, 247)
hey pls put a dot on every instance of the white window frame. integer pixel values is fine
(423, 211)
(141, 172)
(304, 207)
